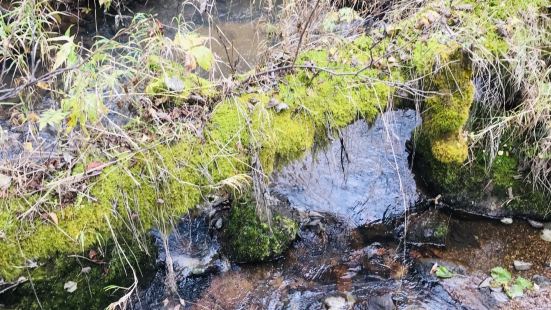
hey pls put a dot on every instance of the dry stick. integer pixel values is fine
(304, 31)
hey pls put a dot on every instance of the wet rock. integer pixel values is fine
(382, 302)
(507, 220)
(430, 227)
(541, 281)
(500, 297)
(535, 224)
(522, 266)
(218, 223)
(336, 303)
(486, 283)
(546, 235)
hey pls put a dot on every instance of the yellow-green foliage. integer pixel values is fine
(167, 180)
(175, 72)
(447, 111)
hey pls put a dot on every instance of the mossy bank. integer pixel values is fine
(330, 88)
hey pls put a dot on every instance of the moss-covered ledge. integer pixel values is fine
(332, 87)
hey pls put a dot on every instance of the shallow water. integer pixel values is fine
(362, 176)
(354, 256)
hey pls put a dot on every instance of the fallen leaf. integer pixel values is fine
(53, 217)
(5, 182)
(70, 286)
(92, 254)
(93, 166)
(28, 147)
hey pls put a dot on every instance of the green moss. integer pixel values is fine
(446, 113)
(252, 240)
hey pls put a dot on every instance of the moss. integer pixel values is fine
(91, 278)
(252, 240)
(165, 181)
(446, 113)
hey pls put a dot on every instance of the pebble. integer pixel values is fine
(535, 224)
(383, 302)
(486, 283)
(541, 281)
(500, 297)
(507, 220)
(522, 266)
(218, 223)
(335, 303)
(546, 235)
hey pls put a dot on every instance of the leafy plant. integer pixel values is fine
(443, 272)
(502, 277)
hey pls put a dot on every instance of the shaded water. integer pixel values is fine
(363, 175)
(350, 253)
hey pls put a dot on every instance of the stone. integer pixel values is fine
(535, 224)
(541, 281)
(218, 223)
(500, 297)
(507, 220)
(382, 302)
(486, 283)
(522, 266)
(335, 303)
(546, 235)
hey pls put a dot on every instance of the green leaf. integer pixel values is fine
(518, 288)
(443, 272)
(501, 276)
(51, 117)
(203, 56)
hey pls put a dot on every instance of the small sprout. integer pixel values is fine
(443, 272)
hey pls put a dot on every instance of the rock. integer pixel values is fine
(507, 220)
(522, 266)
(535, 224)
(500, 297)
(218, 223)
(382, 302)
(541, 281)
(546, 235)
(335, 303)
(486, 283)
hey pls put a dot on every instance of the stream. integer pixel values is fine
(352, 252)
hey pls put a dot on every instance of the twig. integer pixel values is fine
(304, 31)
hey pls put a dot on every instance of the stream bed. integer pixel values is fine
(352, 252)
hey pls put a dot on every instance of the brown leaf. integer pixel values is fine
(94, 166)
(92, 254)
(53, 217)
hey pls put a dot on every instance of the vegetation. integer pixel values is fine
(188, 137)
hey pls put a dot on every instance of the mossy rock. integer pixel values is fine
(92, 277)
(478, 187)
(249, 239)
